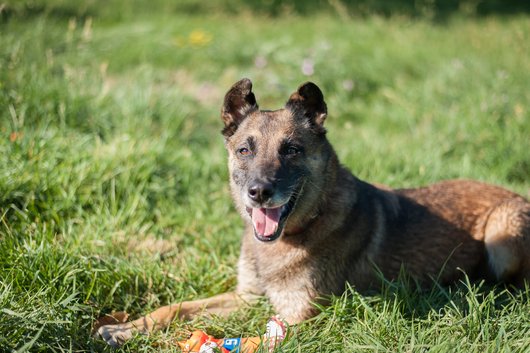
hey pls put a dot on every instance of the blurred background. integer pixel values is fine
(119, 9)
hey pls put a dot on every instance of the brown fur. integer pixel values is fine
(341, 229)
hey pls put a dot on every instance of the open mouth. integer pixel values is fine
(269, 222)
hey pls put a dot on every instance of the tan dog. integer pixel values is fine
(312, 226)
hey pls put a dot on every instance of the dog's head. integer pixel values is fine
(277, 159)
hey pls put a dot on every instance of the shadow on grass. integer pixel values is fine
(407, 299)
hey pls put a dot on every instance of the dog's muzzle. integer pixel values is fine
(268, 222)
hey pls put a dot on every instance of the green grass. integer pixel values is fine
(113, 184)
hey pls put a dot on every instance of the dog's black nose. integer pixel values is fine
(261, 191)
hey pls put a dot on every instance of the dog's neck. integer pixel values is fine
(297, 230)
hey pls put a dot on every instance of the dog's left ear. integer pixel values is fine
(238, 104)
(308, 101)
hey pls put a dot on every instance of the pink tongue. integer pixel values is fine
(266, 220)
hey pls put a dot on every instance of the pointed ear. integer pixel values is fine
(308, 100)
(238, 104)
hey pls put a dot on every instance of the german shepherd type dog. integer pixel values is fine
(312, 227)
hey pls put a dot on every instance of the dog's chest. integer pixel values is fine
(289, 281)
(280, 263)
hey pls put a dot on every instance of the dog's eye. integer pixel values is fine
(292, 151)
(244, 151)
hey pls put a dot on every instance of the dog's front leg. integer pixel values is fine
(221, 305)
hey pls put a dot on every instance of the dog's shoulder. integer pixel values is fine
(382, 195)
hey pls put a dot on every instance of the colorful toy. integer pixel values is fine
(200, 342)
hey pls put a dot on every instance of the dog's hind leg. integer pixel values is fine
(507, 240)
(221, 305)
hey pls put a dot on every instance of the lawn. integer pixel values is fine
(113, 183)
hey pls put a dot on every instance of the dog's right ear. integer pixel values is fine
(238, 104)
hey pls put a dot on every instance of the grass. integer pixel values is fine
(113, 185)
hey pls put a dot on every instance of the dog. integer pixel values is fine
(312, 227)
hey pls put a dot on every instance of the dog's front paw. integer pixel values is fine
(116, 335)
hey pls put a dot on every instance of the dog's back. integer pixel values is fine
(445, 229)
